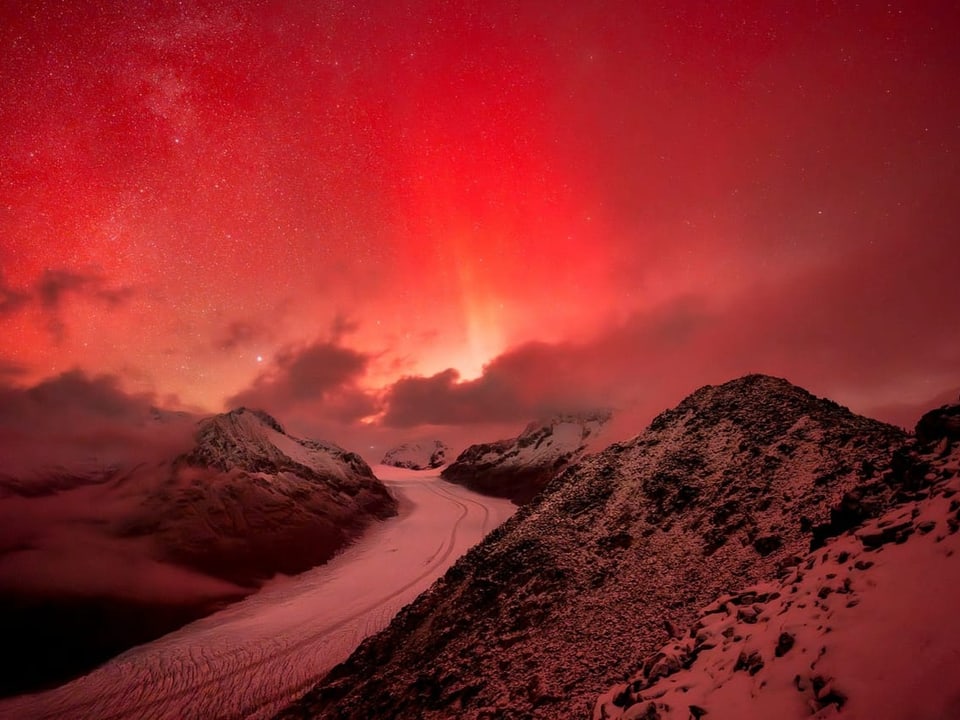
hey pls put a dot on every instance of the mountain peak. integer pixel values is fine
(722, 490)
(261, 415)
(763, 405)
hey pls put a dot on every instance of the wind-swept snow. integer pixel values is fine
(253, 657)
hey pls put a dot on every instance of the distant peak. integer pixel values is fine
(582, 417)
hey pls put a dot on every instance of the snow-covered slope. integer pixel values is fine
(519, 468)
(537, 621)
(249, 659)
(249, 500)
(94, 561)
(864, 628)
(417, 455)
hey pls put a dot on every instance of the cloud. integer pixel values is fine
(52, 289)
(321, 378)
(11, 300)
(76, 419)
(60, 440)
(537, 379)
(818, 327)
(240, 334)
(55, 285)
(9, 370)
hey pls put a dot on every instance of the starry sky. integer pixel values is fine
(394, 218)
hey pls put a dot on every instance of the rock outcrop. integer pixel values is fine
(249, 500)
(520, 467)
(864, 627)
(614, 554)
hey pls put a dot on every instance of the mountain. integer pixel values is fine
(249, 500)
(99, 558)
(617, 551)
(865, 626)
(417, 455)
(518, 468)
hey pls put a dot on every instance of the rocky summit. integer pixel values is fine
(520, 467)
(250, 500)
(864, 626)
(616, 553)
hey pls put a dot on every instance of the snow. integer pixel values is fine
(874, 628)
(253, 657)
(421, 455)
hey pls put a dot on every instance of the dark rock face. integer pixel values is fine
(534, 622)
(940, 424)
(520, 467)
(250, 501)
(815, 596)
(418, 455)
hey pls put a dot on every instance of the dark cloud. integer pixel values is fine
(818, 327)
(11, 300)
(537, 379)
(55, 285)
(73, 418)
(342, 325)
(240, 334)
(10, 370)
(52, 289)
(321, 378)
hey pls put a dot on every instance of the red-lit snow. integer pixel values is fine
(253, 657)
(865, 628)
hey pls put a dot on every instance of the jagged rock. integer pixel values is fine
(814, 629)
(730, 464)
(417, 455)
(520, 467)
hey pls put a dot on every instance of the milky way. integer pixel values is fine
(516, 205)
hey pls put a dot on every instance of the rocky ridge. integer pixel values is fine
(417, 455)
(616, 552)
(864, 627)
(249, 500)
(518, 468)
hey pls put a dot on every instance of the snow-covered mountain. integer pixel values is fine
(618, 551)
(863, 628)
(249, 500)
(97, 559)
(417, 455)
(518, 468)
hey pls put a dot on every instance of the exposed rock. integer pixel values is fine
(812, 635)
(557, 594)
(417, 455)
(518, 468)
(249, 501)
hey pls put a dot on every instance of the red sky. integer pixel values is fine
(452, 213)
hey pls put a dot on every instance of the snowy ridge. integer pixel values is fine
(536, 621)
(417, 455)
(249, 500)
(864, 628)
(520, 467)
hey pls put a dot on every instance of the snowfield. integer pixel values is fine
(252, 658)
